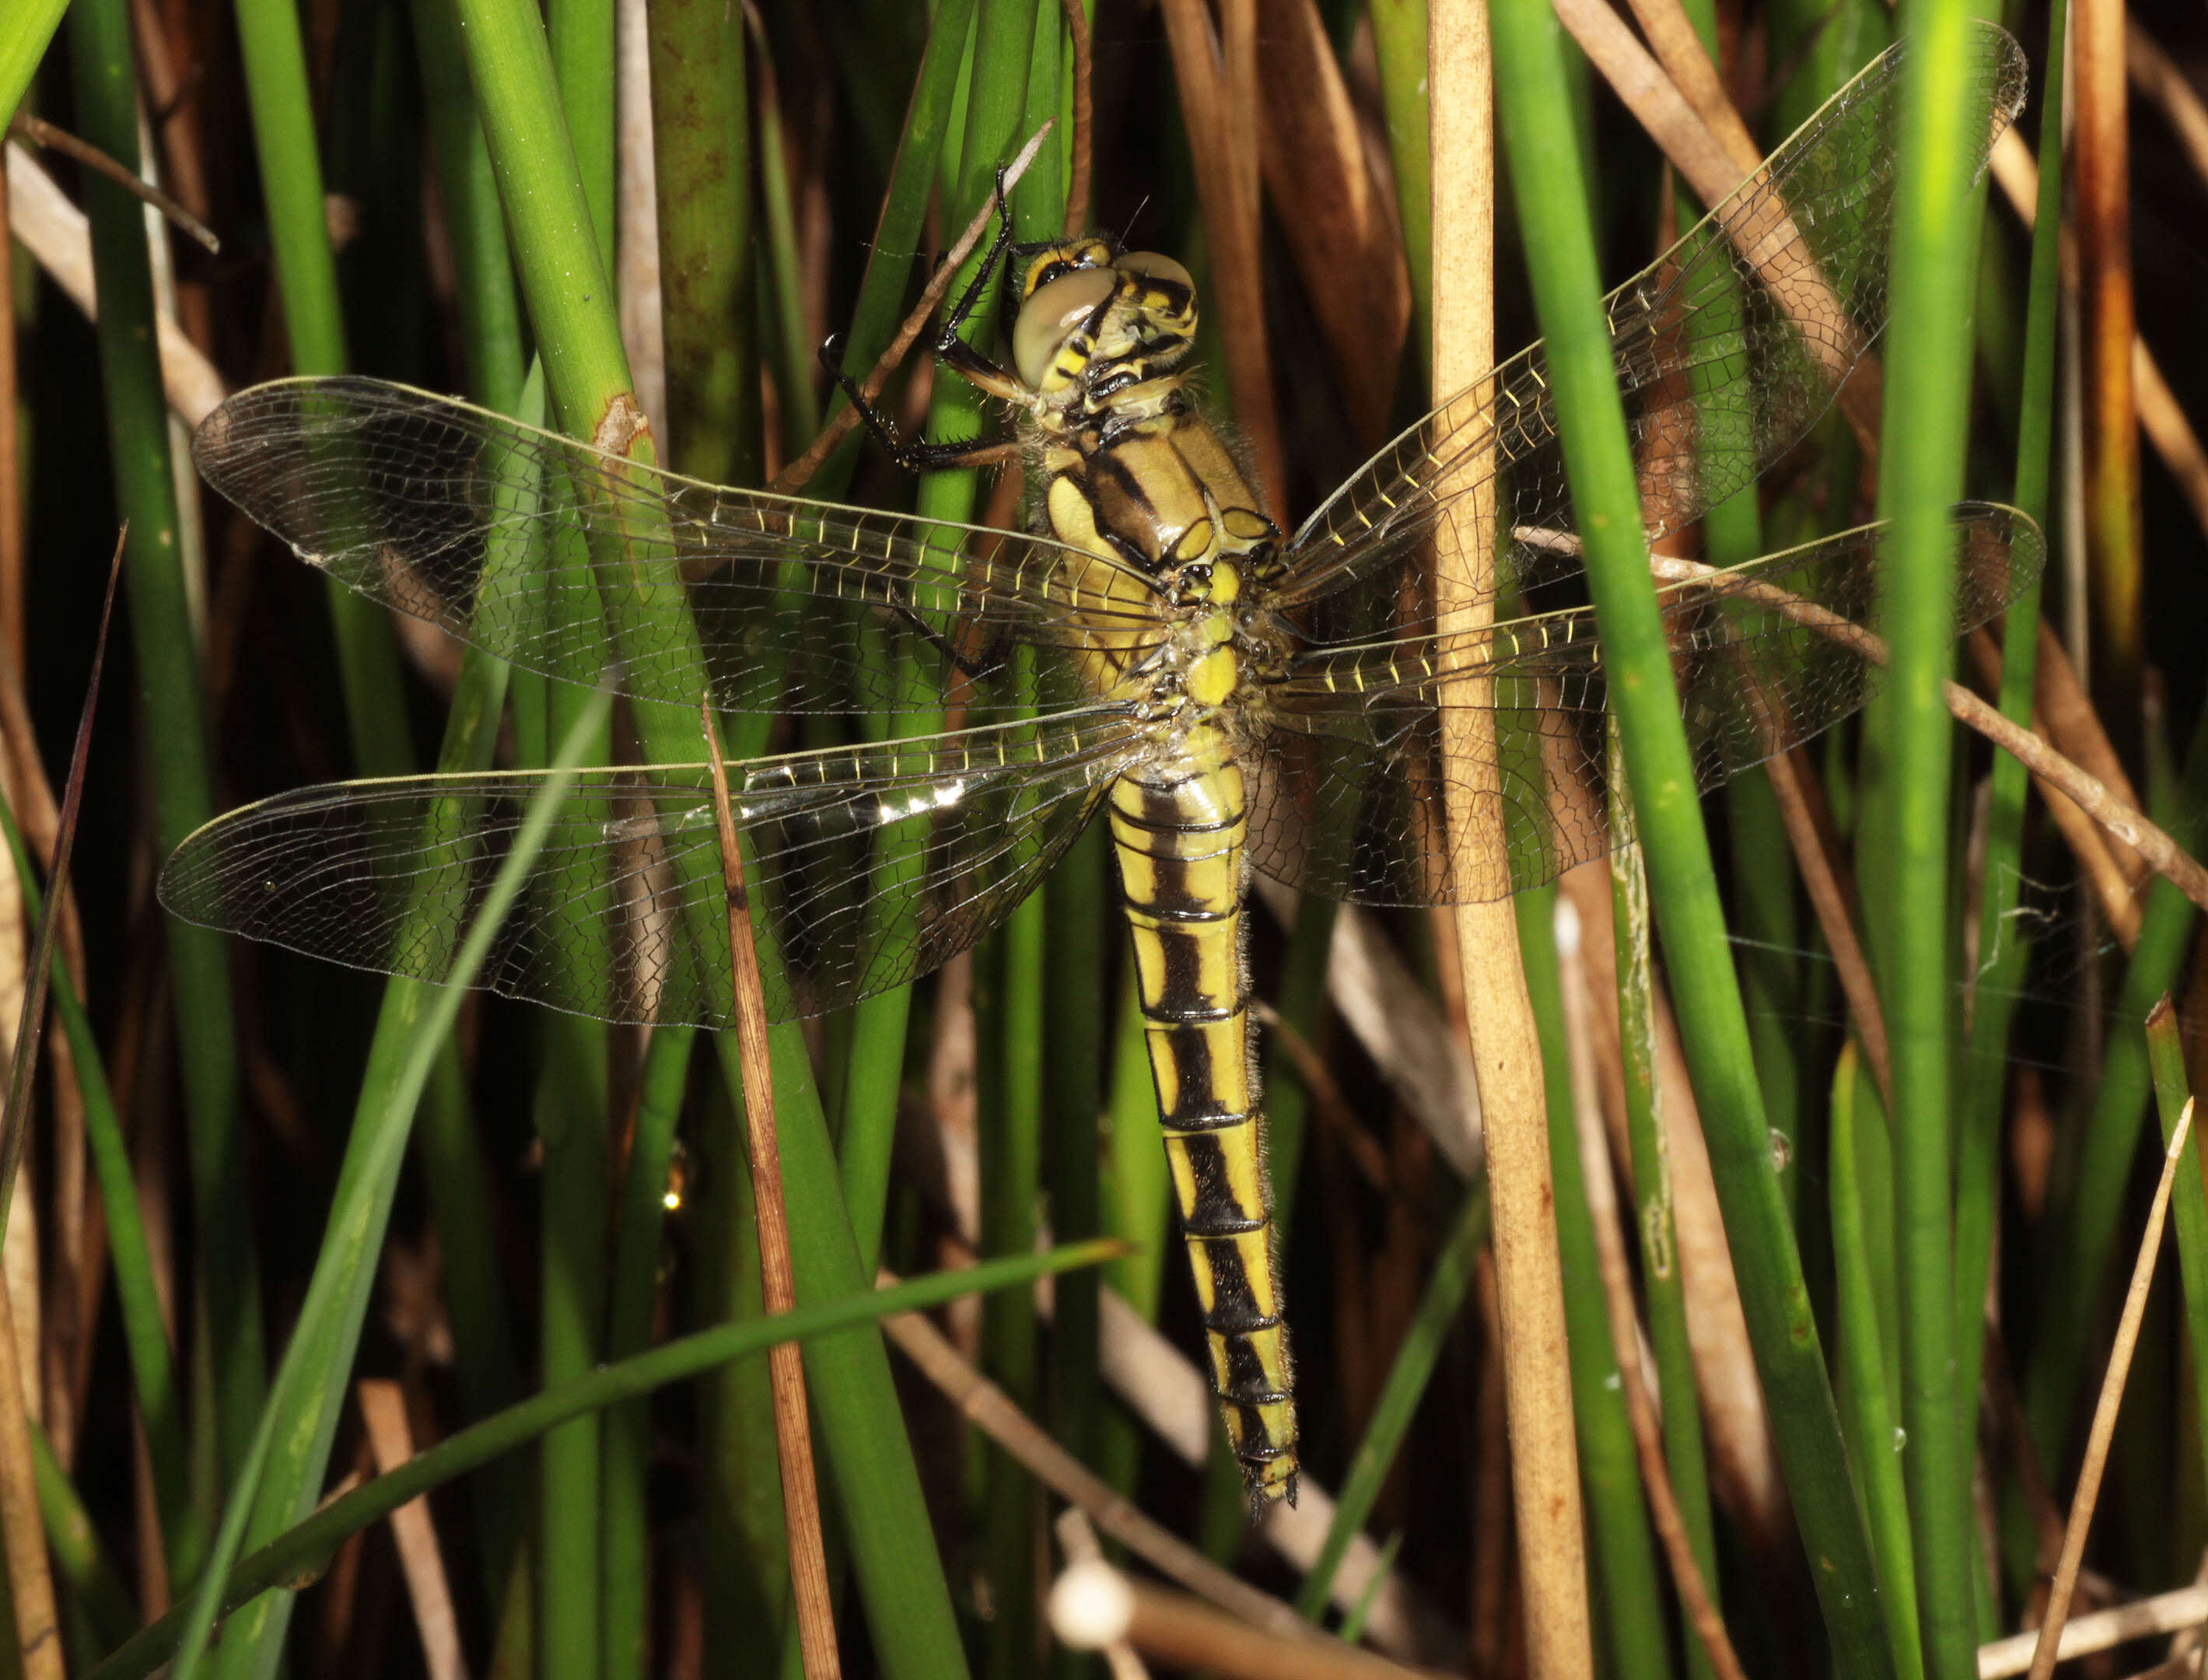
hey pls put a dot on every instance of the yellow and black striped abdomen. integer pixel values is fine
(1179, 830)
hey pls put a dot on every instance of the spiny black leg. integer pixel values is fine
(915, 457)
(972, 296)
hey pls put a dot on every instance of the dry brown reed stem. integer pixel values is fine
(22, 1534)
(1701, 1612)
(1217, 71)
(992, 1410)
(2167, 859)
(390, 1439)
(1767, 235)
(800, 472)
(1505, 1047)
(1834, 900)
(2101, 213)
(1083, 139)
(2160, 417)
(55, 232)
(793, 1434)
(2174, 1611)
(2155, 74)
(1188, 1634)
(1341, 230)
(2047, 1653)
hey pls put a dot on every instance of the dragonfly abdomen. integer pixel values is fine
(1180, 830)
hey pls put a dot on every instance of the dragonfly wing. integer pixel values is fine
(1352, 785)
(512, 538)
(869, 867)
(1727, 350)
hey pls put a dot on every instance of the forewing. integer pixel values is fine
(1727, 350)
(510, 538)
(1352, 778)
(868, 866)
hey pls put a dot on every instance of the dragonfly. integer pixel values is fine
(956, 704)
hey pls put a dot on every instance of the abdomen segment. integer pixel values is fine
(1178, 834)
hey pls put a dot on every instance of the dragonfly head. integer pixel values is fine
(1090, 312)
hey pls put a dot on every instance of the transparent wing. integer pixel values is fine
(511, 538)
(869, 866)
(1727, 349)
(1352, 778)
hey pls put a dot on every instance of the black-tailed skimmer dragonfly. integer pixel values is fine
(1238, 698)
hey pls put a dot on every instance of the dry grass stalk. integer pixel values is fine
(22, 1534)
(1833, 897)
(1529, 1276)
(2155, 74)
(2165, 422)
(1187, 1634)
(1216, 72)
(2048, 1650)
(2167, 859)
(2100, 172)
(992, 1410)
(793, 1434)
(55, 232)
(2174, 1611)
(794, 477)
(1764, 234)
(1342, 233)
(1702, 1614)
(43, 134)
(391, 1439)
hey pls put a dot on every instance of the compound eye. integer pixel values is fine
(1052, 315)
(1152, 265)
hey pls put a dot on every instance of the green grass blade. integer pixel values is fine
(701, 148)
(1400, 1394)
(1622, 1549)
(1854, 1162)
(2003, 942)
(1398, 41)
(1925, 427)
(2189, 1196)
(22, 46)
(625, 1553)
(226, 1285)
(1551, 196)
(581, 33)
(1663, 1278)
(2074, 1267)
(346, 1270)
(73, 1544)
(308, 1547)
(144, 1333)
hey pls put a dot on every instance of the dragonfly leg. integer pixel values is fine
(985, 450)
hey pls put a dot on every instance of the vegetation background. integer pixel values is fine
(247, 1267)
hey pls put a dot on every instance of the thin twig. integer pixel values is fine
(991, 1410)
(792, 1436)
(840, 423)
(41, 133)
(15, 1118)
(2163, 855)
(2082, 1504)
(1702, 1613)
(1834, 900)
(1085, 120)
(11, 489)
